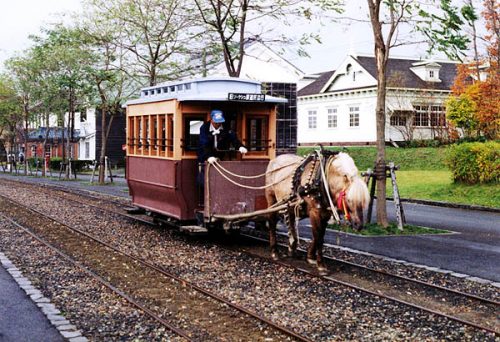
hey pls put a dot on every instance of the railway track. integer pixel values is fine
(467, 309)
(178, 304)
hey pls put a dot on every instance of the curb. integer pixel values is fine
(449, 205)
(65, 328)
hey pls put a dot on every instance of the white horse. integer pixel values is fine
(348, 191)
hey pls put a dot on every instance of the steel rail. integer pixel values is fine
(432, 311)
(101, 280)
(168, 274)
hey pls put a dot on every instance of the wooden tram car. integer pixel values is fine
(163, 128)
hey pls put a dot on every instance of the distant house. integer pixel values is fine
(338, 108)
(53, 138)
(87, 138)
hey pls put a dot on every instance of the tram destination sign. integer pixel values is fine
(255, 97)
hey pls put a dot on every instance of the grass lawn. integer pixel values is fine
(373, 229)
(437, 186)
(423, 174)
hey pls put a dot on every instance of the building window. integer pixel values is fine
(87, 150)
(312, 119)
(438, 116)
(400, 117)
(430, 116)
(431, 73)
(421, 116)
(332, 117)
(354, 116)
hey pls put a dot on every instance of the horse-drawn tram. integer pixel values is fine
(164, 175)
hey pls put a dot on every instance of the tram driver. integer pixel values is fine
(215, 140)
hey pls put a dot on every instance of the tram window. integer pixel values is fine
(192, 132)
(170, 130)
(146, 132)
(139, 132)
(163, 130)
(256, 133)
(154, 131)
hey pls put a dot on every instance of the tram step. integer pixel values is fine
(135, 211)
(194, 229)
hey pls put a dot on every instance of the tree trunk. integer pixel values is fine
(102, 157)
(25, 138)
(380, 117)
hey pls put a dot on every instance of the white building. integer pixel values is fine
(262, 64)
(85, 123)
(339, 107)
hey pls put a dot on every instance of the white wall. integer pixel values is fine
(343, 132)
(87, 129)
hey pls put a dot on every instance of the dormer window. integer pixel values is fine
(427, 71)
(348, 69)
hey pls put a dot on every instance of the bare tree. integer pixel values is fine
(386, 17)
(156, 32)
(228, 24)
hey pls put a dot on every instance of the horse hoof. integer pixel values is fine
(292, 253)
(311, 261)
(322, 270)
(274, 256)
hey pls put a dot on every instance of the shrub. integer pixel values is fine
(474, 163)
(55, 163)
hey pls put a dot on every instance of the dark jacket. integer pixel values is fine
(225, 140)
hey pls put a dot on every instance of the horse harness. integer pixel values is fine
(314, 186)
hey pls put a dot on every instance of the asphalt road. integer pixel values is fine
(472, 248)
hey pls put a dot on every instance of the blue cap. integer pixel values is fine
(217, 116)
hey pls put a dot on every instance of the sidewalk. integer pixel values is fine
(20, 318)
(117, 188)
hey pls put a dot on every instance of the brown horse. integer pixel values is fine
(300, 181)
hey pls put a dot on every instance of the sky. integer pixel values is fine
(20, 18)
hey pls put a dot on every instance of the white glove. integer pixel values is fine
(243, 150)
(216, 131)
(211, 160)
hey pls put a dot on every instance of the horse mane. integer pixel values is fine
(344, 165)
(357, 191)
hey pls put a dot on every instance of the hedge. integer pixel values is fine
(55, 163)
(474, 163)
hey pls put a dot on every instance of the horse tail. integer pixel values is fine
(358, 192)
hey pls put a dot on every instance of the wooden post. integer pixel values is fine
(61, 168)
(93, 171)
(370, 175)
(397, 201)
(70, 169)
(105, 168)
(109, 169)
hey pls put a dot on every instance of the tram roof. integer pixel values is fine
(223, 89)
